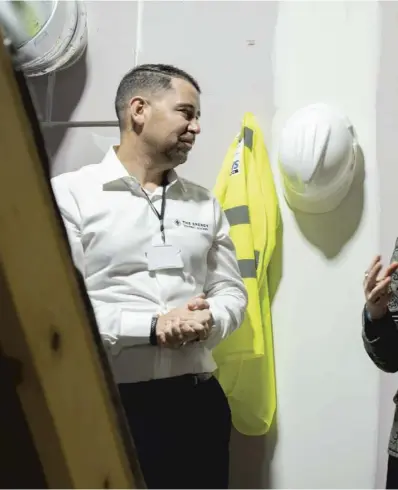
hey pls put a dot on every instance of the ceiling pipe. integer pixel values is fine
(47, 36)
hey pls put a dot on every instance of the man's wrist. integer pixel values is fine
(372, 318)
(368, 316)
(153, 339)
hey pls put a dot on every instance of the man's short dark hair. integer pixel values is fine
(149, 78)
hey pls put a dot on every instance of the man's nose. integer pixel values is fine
(194, 126)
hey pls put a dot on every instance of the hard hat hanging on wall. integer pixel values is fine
(46, 35)
(317, 158)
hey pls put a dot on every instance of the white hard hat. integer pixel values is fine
(317, 158)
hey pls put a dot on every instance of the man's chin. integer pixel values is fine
(179, 159)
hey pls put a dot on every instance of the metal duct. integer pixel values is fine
(47, 35)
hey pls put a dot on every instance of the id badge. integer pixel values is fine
(164, 257)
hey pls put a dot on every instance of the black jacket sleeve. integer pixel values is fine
(380, 337)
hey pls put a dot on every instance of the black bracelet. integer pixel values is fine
(153, 340)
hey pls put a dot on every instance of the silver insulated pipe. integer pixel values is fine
(47, 35)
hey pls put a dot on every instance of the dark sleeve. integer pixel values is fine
(380, 337)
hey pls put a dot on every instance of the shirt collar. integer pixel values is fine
(114, 173)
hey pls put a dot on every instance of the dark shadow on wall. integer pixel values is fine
(330, 232)
(275, 268)
(254, 470)
(67, 90)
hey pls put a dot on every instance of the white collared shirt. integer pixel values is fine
(110, 226)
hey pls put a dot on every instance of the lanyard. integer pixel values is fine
(162, 210)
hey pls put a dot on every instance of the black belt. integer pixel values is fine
(196, 378)
(184, 379)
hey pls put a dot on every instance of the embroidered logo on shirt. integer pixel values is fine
(192, 224)
(177, 222)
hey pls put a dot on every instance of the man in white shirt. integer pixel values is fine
(161, 273)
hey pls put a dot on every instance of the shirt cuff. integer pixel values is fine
(135, 328)
(219, 328)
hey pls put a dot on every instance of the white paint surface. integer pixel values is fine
(327, 388)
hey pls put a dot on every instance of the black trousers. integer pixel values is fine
(392, 473)
(181, 429)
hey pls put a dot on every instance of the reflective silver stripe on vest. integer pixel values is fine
(247, 268)
(238, 215)
(248, 137)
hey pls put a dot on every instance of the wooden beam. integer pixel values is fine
(20, 465)
(46, 321)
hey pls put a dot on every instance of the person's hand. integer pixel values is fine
(173, 332)
(183, 325)
(377, 288)
(205, 320)
(198, 303)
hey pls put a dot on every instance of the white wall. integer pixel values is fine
(269, 58)
(327, 434)
(387, 151)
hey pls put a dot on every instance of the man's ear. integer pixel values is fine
(138, 106)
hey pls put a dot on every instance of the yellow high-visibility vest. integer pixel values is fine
(246, 191)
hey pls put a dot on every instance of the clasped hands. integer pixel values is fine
(183, 325)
